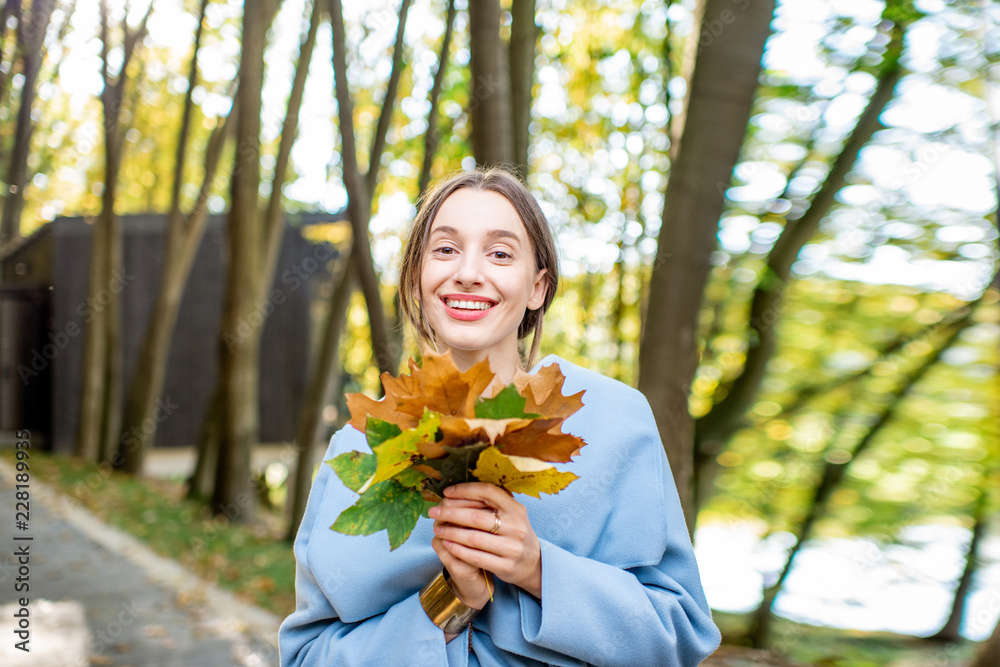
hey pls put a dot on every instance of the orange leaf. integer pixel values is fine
(543, 393)
(439, 386)
(540, 439)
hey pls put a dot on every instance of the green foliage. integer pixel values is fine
(354, 468)
(388, 506)
(507, 403)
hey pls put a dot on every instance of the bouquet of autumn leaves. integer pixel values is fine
(433, 429)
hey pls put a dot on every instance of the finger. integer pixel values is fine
(476, 539)
(480, 519)
(456, 566)
(477, 558)
(490, 494)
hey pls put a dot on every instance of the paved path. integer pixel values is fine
(100, 597)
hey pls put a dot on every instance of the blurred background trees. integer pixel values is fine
(778, 221)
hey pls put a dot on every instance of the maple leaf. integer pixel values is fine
(353, 468)
(400, 452)
(435, 428)
(362, 407)
(540, 439)
(494, 467)
(543, 392)
(439, 386)
(506, 403)
(388, 506)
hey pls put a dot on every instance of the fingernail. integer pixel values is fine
(433, 512)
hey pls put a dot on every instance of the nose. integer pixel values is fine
(469, 271)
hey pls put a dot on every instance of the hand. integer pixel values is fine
(463, 539)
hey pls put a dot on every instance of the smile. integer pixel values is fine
(468, 305)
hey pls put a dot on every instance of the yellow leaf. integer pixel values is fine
(496, 468)
(398, 453)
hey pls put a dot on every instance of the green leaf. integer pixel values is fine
(385, 506)
(378, 431)
(508, 403)
(455, 467)
(410, 478)
(400, 452)
(353, 468)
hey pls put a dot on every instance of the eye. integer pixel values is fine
(500, 254)
(444, 248)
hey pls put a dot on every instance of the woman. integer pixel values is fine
(602, 573)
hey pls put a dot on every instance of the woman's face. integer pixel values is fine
(478, 276)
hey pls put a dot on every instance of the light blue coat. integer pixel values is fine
(620, 584)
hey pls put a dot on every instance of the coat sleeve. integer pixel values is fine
(314, 636)
(595, 612)
(603, 615)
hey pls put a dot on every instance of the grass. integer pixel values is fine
(257, 564)
(835, 647)
(251, 560)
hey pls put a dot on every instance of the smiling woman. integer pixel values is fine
(601, 573)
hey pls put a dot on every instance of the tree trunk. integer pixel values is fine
(359, 203)
(182, 242)
(100, 406)
(989, 652)
(714, 429)
(949, 632)
(31, 36)
(388, 102)
(833, 474)
(720, 97)
(323, 371)
(490, 93)
(239, 349)
(523, 38)
(202, 478)
(11, 8)
(432, 135)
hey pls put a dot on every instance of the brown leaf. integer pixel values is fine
(362, 407)
(540, 439)
(543, 392)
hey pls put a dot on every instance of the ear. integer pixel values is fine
(538, 290)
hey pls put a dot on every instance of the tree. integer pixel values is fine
(184, 235)
(835, 469)
(721, 93)
(523, 36)
(324, 370)
(239, 354)
(30, 39)
(715, 428)
(100, 407)
(386, 351)
(490, 87)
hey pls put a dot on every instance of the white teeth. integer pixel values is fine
(468, 305)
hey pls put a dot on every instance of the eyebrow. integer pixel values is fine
(491, 234)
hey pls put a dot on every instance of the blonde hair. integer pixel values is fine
(513, 190)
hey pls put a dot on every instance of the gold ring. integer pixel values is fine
(496, 522)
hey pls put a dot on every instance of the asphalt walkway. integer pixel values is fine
(97, 596)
